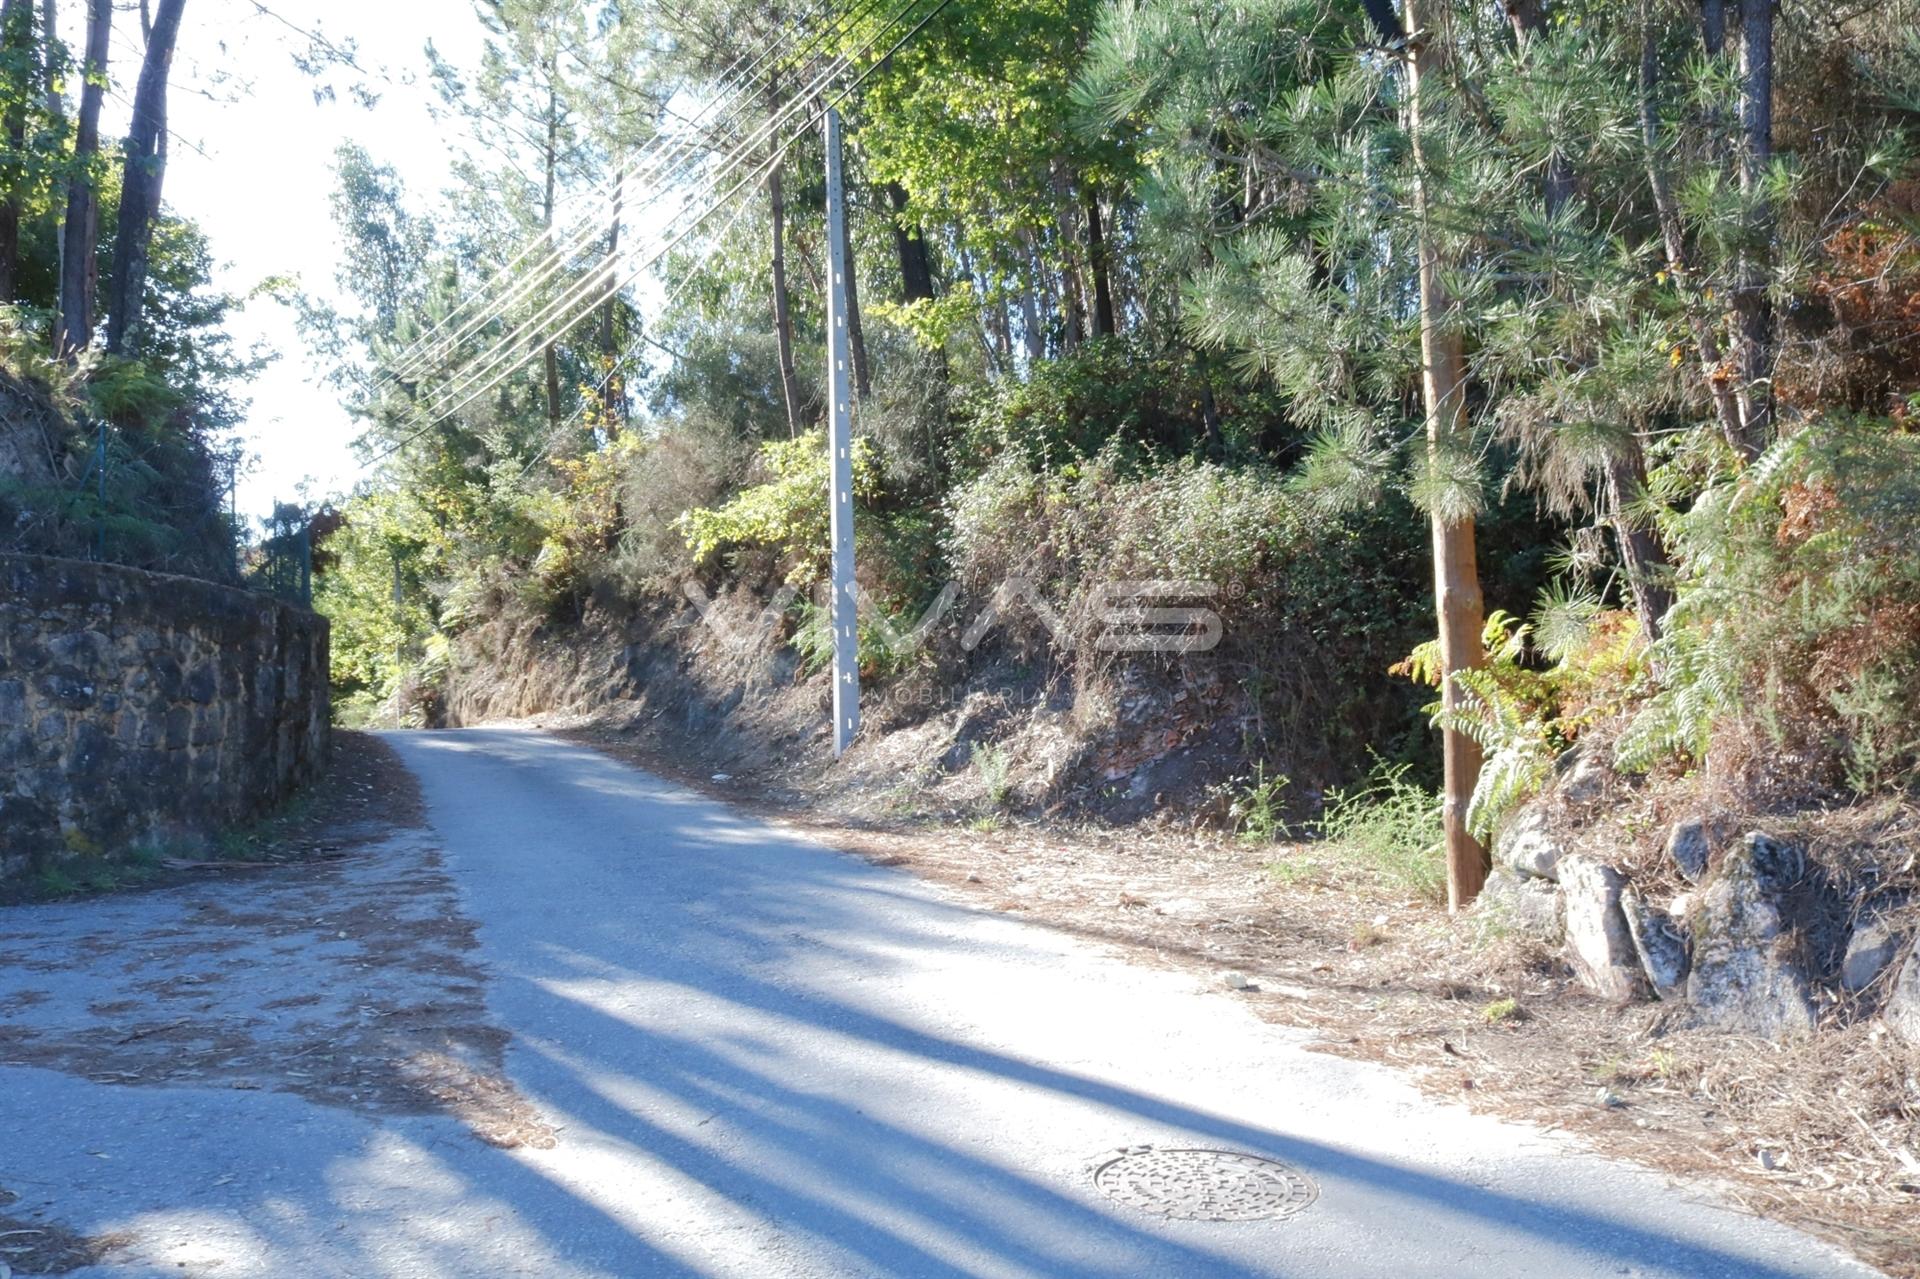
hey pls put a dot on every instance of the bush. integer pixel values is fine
(785, 515)
(886, 642)
(1798, 608)
(1523, 713)
(691, 464)
(1314, 608)
(1117, 396)
(995, 767)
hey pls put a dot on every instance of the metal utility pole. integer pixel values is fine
(846, 634)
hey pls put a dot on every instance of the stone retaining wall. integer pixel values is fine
(139, 709)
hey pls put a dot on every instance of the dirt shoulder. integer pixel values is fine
(331, 960)
(1823, 1135)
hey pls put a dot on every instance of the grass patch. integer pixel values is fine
(1388, 829)
(1501, 1011)
(1256, 807)
(995, 767)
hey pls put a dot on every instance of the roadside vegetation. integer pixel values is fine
(1168, 325)
(118, 377)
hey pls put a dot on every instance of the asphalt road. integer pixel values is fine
(765, 1058)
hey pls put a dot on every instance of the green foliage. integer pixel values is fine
(995, 767)
(1523, 713)
(786, 515)
(1257, 806)
(385, 541)
(887, 648)
(1517, 748)
(1119, 399)
(1799, 603)
(1386, 828)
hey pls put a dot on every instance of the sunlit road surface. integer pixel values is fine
(765, 1058)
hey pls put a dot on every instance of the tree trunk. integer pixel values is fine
(916, 266)
(782, 313)
(1073, 292)
(1640, 549)
(1713, 26)
(1456, 575)
(1528, 18)
(1753, 309)
(1673, 236)
(1103, 320)
(1031, 325)
(79, 273)
(856, 333)
(16, 43)
(550, 356)
(144, 172)
(613, 395)
(50, 36)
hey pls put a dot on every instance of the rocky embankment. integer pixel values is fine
(1741, 925)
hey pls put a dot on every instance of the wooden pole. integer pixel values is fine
(1456, 574)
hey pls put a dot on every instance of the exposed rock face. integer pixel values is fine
(1875, 942)
(1689, 845)
(1748, 975)
(1661, 943)
(1902, 1009)
(1598, 941)
(139, 708)
(1527, 848)
(1528, 906)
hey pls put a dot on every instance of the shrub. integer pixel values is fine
(689, 465)
(1799, 607)
(1522, 713)
(1313, 607)
(995, 767)
(1120, 397)
(785, 515)
(1257, 804)
(886, 642)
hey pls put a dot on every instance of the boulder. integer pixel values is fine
(1580, 776)
(1528, 906)
(1689, 845)
(1876, 940)
(1598, 942)
(1901, 1012)
(1527, 848)
(1748, 975)
(1661, 943)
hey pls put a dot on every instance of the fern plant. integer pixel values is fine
(1802, 574)
(1522, 713)
(1518, 741)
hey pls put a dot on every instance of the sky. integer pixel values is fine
(251, 162)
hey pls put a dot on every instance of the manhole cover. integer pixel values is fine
(1203, 1185)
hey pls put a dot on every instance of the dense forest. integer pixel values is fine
(1558, 357)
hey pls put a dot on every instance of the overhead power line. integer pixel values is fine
(609, 277)
(737, 90)
(555, 317)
